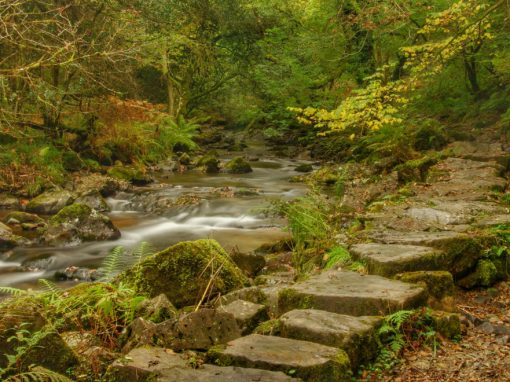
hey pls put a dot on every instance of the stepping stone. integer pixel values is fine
(351, 293)
(422, 238)
(210, 373)
(247, 314)
(390, 259)
(355, 335)
(307, 360)
(143, 364)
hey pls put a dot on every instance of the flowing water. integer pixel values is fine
(224, 207)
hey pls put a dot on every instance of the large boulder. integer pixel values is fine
(133, 175)
(186, 273)
(79, 223)
(102, 184)
(50, 202)
(94, 200)
(238, 166)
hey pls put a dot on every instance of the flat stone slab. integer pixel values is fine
(351, 293)
(307, 360)
(390, 259)
(247, 314)
(355, 335)
(421, 238)
(210, 373)
(143, 364)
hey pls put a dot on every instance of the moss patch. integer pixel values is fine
(184, 271)
(269, 328)
(75, 211)
(438, 283)
(238, 166)
(288, 299)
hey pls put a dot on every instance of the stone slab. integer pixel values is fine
(307, 360)
(390, 259)
(355, 335)
(351, 293)
(247, 314)
(421, 238)
(210, 373)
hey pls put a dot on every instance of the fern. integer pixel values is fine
(112, 264)
(38, 374)
(398, 318)
(142, 251)
(337, 256)
(12, 291)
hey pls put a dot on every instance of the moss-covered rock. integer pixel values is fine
(269, 328)
(77, 223)
(21, 313)
(72, 161)
(446, 324)
(485, 274)
(50, 202)
(184, 159)
(9, 202)
(209, 164)
(157, 309)
(416, 169)
(8, 239)
(19, 217)
(186, 272)
(238, 166)
(134, 175)
(438, 283)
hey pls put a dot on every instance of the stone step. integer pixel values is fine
(162, 365)
(307, 360)
(422, 238)
(351, 293)
(210, 373)
(391, 259)
(355, 335)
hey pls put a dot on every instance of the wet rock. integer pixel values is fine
(250, 263)
(78, 223)
(50, 203)
(8, 202)
(94, 200)
(355, 335)
(209, 164)
(18, 218)
(304, 168)
(157, 309)
(238, 166)
(73, 273)
(185, 272)
(16, 314)
(198, 330)
(102, 184)
(8, 239)
(309, 361)
(351, 293)
(247, 314)
(210, 373)
(184, 159)
(133, 175)
(144, 364)
(49, 351)
(390, 259)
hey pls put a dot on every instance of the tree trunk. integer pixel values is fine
(472, 75)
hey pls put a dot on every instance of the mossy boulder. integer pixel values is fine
(79, 223)
(51, 202)
(94, 200)
(72, 161)
(485, 275)
(429, 137)
(19, 217)
(50, 351)
(20, 313)
(446, 324)
(416, 169)
(184, 159)
(9, 202)
(186, 272)
(102, 184)
(134, 175)
(209, 164)
(238, 166)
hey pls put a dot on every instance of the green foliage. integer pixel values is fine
(336, 256)
(38, 374)
(118, 260)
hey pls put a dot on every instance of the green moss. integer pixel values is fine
(416, 169)
(215, 355)
(134, 175)
(23, 217)
(209, 164)
(238, 166)
(74, 211)
(269, 328)
(485, 274)
(447, 324)
(288, 299)
(183, 272)
(438, 283)
(304, 168)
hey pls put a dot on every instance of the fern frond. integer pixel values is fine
(12, 291)
(142, 251)
(38, 374)
(113, 263)
(50, 287)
